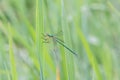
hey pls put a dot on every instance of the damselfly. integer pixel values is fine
(55, 39)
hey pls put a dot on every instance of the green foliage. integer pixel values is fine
(90, 28)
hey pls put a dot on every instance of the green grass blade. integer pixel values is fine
(12, 57)
(7, 71)
(39, 30)
(91, 57)
(70, 72)
(113, 8)
(64, 69)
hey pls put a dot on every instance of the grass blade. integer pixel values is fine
(12, 58)
(39, 30)
(91, 57)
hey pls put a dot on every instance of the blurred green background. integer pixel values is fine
(88, 27)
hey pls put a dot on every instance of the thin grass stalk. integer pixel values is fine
(7, 71)
(12, 57)
(110, 5)
(90, 55)
(64, 70)
(39, 30)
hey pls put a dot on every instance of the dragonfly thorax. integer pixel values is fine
(50, 35)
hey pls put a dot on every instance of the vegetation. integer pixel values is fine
(59, 40)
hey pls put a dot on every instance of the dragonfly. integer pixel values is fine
(55, 39)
